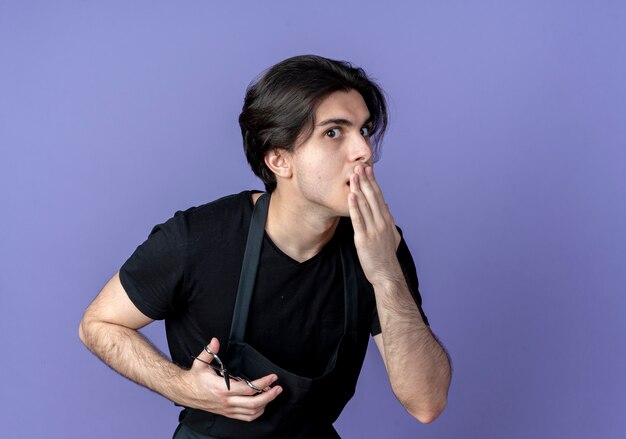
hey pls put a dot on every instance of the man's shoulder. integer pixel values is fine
(221, 206)
(216, 217)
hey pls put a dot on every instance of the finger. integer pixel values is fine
(241, 388)
(264, 382)
(383, 207)
(369, 172)
(244, 414)
(371, 192)
(355, 214)
(361, 201)
(371, 185)
(255, 402)
(204, 357)
(354, 181)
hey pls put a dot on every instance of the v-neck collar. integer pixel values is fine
(325, 248)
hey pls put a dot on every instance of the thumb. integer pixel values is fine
(204, 356)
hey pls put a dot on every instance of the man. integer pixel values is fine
(286, 286)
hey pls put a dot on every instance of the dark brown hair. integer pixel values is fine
(279, 107)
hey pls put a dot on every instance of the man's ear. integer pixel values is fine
(279, 162)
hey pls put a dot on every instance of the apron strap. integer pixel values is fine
(351, 292)
(249, 267)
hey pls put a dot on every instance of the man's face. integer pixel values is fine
(323, 163)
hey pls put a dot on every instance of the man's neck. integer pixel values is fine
(298, 230)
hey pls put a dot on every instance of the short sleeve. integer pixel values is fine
(153, 275)
(410, 274)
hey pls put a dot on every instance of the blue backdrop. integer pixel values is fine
(504, 165)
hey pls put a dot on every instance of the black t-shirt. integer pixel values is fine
(187, 273)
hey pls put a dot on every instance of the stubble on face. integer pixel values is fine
(322, 165)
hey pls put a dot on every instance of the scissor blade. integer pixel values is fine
(227, 379)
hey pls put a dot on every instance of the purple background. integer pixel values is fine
(505, 165)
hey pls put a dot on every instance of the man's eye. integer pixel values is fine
(335, 132)
(365, 131)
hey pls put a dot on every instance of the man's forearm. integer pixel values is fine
(417, 364)
(129, 353)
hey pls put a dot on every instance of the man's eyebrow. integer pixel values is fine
(344, 122)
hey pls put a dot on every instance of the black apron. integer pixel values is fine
(307, 407)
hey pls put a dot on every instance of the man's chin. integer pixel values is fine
(339, 211)
(344, 212)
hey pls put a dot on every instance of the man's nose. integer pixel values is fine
(362, 149)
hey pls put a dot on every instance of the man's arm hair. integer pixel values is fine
(110, 329)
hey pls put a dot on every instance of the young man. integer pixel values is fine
(269, 299)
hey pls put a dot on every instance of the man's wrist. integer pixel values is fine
(182, 387)
(389, 282)
(389, 279)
